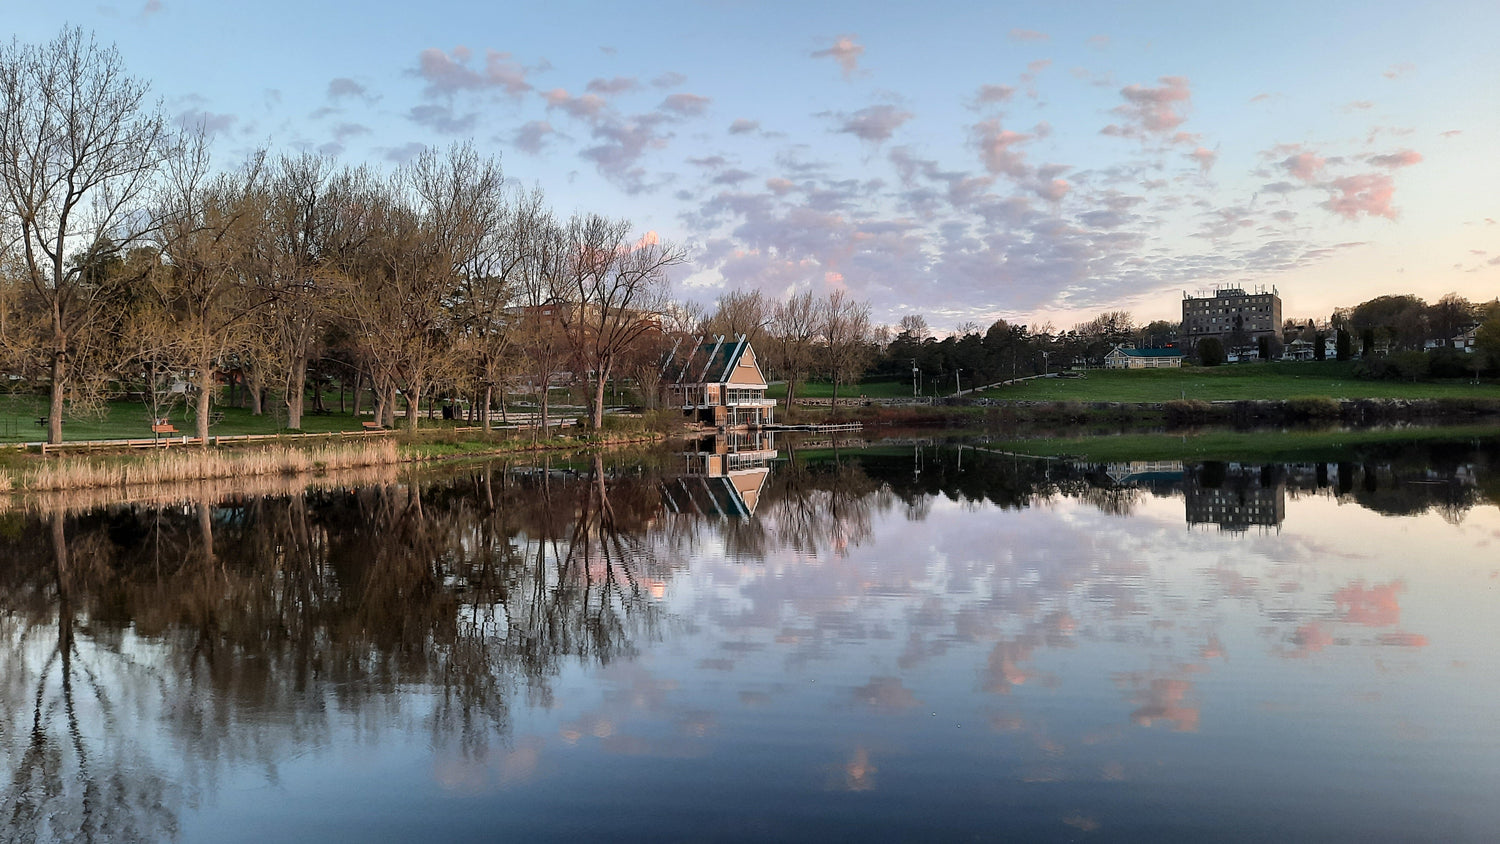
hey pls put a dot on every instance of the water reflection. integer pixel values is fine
(880, 617)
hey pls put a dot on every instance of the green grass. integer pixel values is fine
(1235, 445)
(131, 420)
(1269, 381)
(824, 389)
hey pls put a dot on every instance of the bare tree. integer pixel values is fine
(845, 330)
(739, 313)
(616, 292)
(793, 334)
(80, 147)
(202, 303)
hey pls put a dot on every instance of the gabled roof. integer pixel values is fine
(1148, 353)
(712, 360)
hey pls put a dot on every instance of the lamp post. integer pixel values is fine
(956, 388)
(916, 375)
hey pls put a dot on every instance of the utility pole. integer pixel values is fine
(915, 376)
(956, 388)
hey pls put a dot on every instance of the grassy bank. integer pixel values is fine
(1236, 445)
(1267, 381)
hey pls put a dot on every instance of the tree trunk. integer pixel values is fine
(359, 382)
(296, 386)
(205, 400)
(253, 387)
(546, 395)
(413, 409)
(484, 412)
(54, 413)
(390, 407)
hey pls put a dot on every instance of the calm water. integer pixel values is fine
(914, 641)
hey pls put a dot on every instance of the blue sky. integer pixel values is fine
(1037, 162)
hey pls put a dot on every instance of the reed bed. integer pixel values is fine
(184, 465)
(214, 491)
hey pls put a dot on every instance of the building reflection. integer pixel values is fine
(723, 475)
(1234, 496)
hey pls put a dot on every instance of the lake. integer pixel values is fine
(765, 640)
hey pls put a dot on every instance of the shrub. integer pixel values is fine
(1210, 351)
(1313, 407)
(1187, 411)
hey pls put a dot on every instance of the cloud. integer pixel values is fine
(846, 51)
(1452, 133)
(1368, 193)
(686, 105)
(1098, 42)
(612, 87)
(1259, 98)
(1395, 160)
(997, 149)
(623, 142)
(989, 94)
(405, 152)
(440, 118)
(449, 73)
(732, 177)
(1153, 110)
(213, 123)
(1028, 35)
(587, 107)
(532, 137)
(742, 126)
(1398, 70)
(1205, 158)
(670, 79)
(345, 131)
(343, 87)
(1304, 165)
(1358, 105)
(152, 7)
(874, 123)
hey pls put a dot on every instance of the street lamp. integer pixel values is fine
(957, 390)
(916, 375)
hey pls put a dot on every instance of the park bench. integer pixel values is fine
(371, 426)
(165, 428)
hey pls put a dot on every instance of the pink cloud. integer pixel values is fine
(1452, 133)
(584, 107)
(846, 51)
(876, 123)
(1205, 158)
(1367, 193)
(1400, 158)
(1304, 165)
(1156, 110)
(448, 73)
(996, 149)
(1399, 69)
(1028, 35)
(687, 105)
(1098, 42)
(1054, 190)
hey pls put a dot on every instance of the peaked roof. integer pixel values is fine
(1148, 353)
(711, 360)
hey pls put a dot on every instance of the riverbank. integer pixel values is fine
(998, 414)
(124, 467)
(1245, 446)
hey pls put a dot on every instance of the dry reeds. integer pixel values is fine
(196, 465)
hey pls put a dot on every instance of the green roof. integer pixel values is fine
(1150, 353)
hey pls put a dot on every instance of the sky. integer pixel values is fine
(968, 162)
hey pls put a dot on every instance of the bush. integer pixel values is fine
(1187, 411)
(1313, 407)
(1210, 351)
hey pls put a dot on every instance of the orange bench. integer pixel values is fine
(163, 429)
(371, 426)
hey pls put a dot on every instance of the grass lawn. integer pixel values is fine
(1282, 380)
(824, 389)
(1236, 445)
(131, 420)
